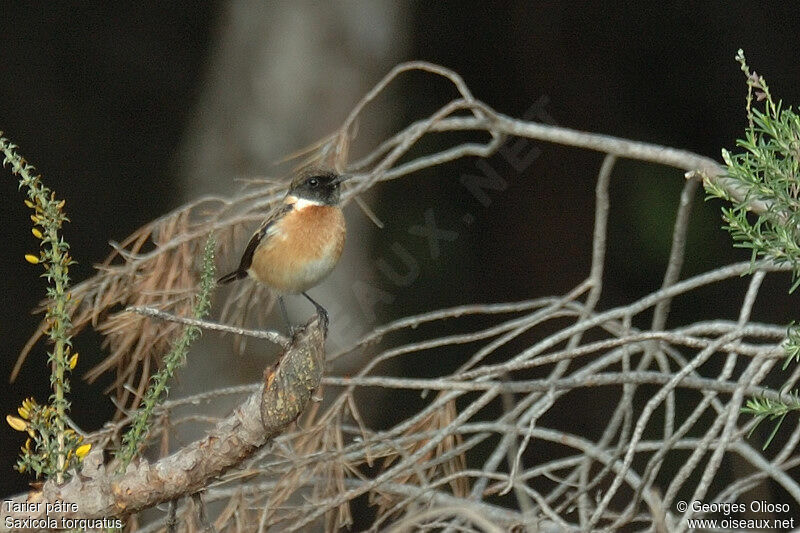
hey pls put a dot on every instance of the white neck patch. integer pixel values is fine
(302, 203)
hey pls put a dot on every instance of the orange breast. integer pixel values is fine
(302, 249)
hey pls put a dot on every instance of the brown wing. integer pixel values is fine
(255, 240)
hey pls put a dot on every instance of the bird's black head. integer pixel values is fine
(317, 186)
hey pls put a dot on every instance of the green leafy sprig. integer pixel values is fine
(767, 169)
(54, 441)
(157, 392)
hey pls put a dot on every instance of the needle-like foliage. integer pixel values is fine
(767, 169)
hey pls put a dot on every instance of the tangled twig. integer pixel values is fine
(452, 456)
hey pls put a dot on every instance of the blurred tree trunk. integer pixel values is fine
(281, 76)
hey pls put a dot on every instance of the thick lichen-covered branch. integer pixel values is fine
(100, 493)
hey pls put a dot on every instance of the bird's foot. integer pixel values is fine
(323, 316)
(321, 312)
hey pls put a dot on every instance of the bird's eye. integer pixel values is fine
(313, 182)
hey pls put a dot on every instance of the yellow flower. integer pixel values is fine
(36, 233)
(29, 404)
(23, 412)
(73, 361)
(30, 204)
(35, 219)
(32, 259)
(16, 423)
(82, 450)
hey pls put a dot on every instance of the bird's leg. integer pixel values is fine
(320, 310)
(285, 315)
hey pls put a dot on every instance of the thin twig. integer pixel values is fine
(272, 336)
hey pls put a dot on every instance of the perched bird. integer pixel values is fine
(300, 241)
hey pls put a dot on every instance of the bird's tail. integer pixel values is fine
(233, 276)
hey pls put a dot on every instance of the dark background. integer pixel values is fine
(98, 99)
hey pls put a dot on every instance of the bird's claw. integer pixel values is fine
(323, 317)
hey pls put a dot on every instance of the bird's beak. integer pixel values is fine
(341, 178)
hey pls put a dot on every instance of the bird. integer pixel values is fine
(300, 241)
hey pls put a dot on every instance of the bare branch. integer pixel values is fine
(272, 336)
